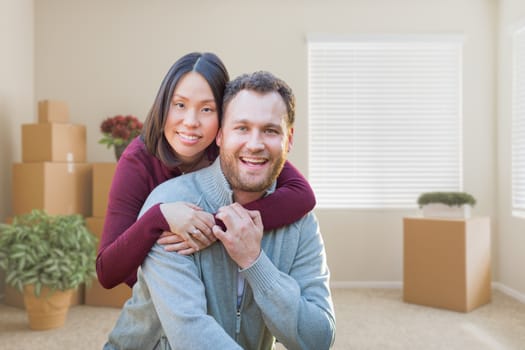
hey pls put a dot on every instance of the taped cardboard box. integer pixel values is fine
(52, 111)
(95, 294)
(447, 262)
(102, 178)
(57, 188)
(53, 142)
(95, 225)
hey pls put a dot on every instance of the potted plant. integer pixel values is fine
(446, 204)
(47, 257)
(119, 131)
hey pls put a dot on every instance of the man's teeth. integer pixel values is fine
(254, 160)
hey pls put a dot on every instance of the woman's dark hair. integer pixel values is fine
(213, 70)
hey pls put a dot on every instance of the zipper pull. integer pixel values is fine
(238, 322)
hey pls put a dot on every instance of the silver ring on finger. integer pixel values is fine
(195, 231)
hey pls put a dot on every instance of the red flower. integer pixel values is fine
(120, 130)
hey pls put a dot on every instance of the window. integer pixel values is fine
(518, 124)
(384, 120)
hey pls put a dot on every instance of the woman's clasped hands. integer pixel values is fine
(190, 226)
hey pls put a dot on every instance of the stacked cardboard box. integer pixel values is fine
(447, 262)
(97, 295)
(53, 175)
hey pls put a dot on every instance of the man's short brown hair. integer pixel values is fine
(262, 82)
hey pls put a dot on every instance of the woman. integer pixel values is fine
(178, 137)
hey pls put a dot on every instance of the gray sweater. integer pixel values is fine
(192, 300)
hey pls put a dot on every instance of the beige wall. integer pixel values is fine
(16, 89)
(511, 237)
(108, 57)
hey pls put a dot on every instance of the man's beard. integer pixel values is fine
(250, 183)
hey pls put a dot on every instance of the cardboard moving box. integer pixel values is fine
(50, 111)
(95, 294)
(52, 142)
(57, 188)
(102, 178)
(447, 263)
(95, 226)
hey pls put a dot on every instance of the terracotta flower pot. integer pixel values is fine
(49, 310)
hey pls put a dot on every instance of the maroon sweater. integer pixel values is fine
(126, 241)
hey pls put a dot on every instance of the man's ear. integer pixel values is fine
(290, 139)
(218, 138)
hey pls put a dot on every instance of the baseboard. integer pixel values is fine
(366, 284)
(509, 291)
(399, 285)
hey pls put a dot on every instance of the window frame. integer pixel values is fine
(518, 122)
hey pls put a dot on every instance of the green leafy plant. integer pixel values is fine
(447, 198)
(45, 250)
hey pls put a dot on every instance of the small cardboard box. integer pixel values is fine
(51, 111)
(95, 294)
(447, 262)
(57, 188)
(102, 178)
(95, 225)
(52, 142)
(15, 298)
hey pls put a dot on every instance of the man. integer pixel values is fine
(249, 288)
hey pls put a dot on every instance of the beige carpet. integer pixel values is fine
(366, 319)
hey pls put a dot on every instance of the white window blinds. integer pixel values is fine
(384, 120)
(518, 124)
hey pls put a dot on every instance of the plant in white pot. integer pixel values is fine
(446, 204)
(47, 257)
